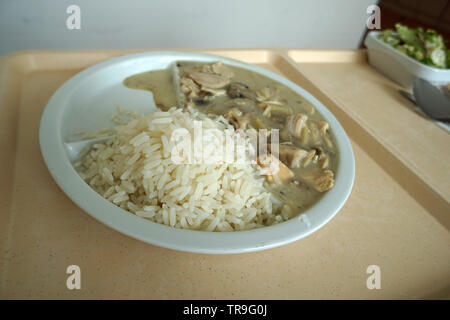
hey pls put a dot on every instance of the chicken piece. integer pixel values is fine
(291, 156)
(310, 157)
(321, 180)
(209, 80)
(295, 123)
(322, 126)
(237, 119)
(318, 133)
(318, 129)
(325, 162)
(274, 170)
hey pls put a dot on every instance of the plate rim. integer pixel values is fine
(95, 205)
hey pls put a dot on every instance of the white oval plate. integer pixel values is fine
(88, 99)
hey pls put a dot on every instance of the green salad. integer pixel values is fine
(427, 46)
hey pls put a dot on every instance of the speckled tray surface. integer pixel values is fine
(397, 216)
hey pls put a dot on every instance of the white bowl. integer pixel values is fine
(86, 101)
(400, 67)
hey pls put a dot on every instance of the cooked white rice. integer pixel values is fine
(135, 171)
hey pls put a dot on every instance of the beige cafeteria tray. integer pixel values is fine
(397, 216)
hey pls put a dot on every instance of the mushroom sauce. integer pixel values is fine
(307, 155)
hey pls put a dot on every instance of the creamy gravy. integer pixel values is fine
(297, 193)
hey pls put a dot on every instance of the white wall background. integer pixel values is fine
(41, 24)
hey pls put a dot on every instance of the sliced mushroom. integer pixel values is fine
(209, 80)
(295, 124)
(220, 69)
(291, 156)
(274, 170)
(321, 180)
(240, 90)
(189, 88)
(205, 68)
(214, 92)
